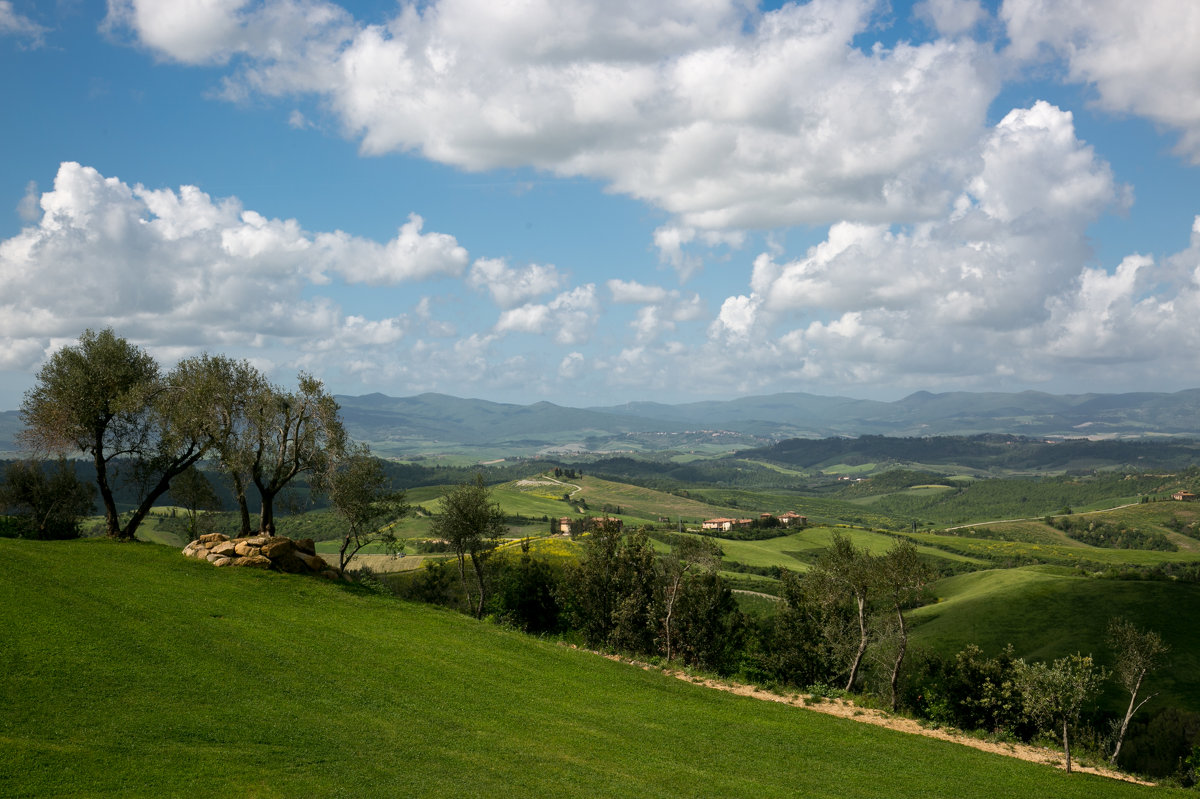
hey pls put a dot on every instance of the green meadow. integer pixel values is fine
(128, 670)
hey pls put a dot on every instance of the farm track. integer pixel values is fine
(1037, 518)
(846, 709)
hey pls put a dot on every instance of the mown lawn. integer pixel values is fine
(128, 670)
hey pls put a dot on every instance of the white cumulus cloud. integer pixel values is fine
(1140, 59)
(727, 117)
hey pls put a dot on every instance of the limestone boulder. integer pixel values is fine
(262, 552)
(278, 547)
(226, 549)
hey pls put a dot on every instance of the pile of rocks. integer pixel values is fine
(261, 551)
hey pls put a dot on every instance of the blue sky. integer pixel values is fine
(596, 202)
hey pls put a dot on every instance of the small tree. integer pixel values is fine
(612, 593)
(1054, 695)
(240, 392)
(901, 574)
(290, 433)
(360, 492)
(1138, 652)
(846, 573)
(48, 504)
(195, 493)
(472, 523)
(687, 556)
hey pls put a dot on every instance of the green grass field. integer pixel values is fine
(800, 550)
(128, 670)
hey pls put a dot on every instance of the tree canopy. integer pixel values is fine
(469, 519)
(107, 398)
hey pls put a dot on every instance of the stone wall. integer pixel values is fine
(261, 552)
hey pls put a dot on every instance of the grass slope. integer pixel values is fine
(1048, 612)
(126, 670)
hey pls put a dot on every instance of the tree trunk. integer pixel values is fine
(1067, 746)
(478, 564)
(862, 642)
(462, 577)
(176, 468)
(1128, 715)
(112, 519)
(266, 519)
(239, 491)
(899, 657)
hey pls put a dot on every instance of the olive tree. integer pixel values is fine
(688, 555)
(360, 493)
(901, 574)
(108, 399)
(241, 391)
(1054, 694)
(1138, 652)
(289, 434)
(847, 574)
(195, 493)
(472, 523)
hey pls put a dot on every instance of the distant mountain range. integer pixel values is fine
(442, 424)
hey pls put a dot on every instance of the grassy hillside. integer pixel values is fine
(127, 670)
(1048, 612)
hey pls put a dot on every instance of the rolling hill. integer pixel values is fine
(127, 670)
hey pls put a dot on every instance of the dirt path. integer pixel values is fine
(848, 710)
(1036, 518)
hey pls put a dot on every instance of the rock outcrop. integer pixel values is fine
(261, 552)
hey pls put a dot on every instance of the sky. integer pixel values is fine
(593, 202)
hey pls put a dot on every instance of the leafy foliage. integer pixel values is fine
(1054, 694)
(359, 493)
(47, 502)
(1111, 536)
(469, 519)
(106, 397)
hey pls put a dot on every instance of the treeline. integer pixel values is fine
(1110, 535)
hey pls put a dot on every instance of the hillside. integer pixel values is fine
(146, 674)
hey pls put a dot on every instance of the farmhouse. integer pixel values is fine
(724, 524)
(792, 518)
(1184, 496)
(567, 526)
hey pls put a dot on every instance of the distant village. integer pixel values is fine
(567, 525)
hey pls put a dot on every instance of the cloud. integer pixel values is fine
(176, 268)
(569, 317)
(510, 287)
(571, 366)
(412, 255)
(20, 26)
(662, 308)
(726, 117)
(951, 17)
(997, 288)
(633, 292)
(1144, 63)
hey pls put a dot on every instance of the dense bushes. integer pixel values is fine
(1111, 536)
